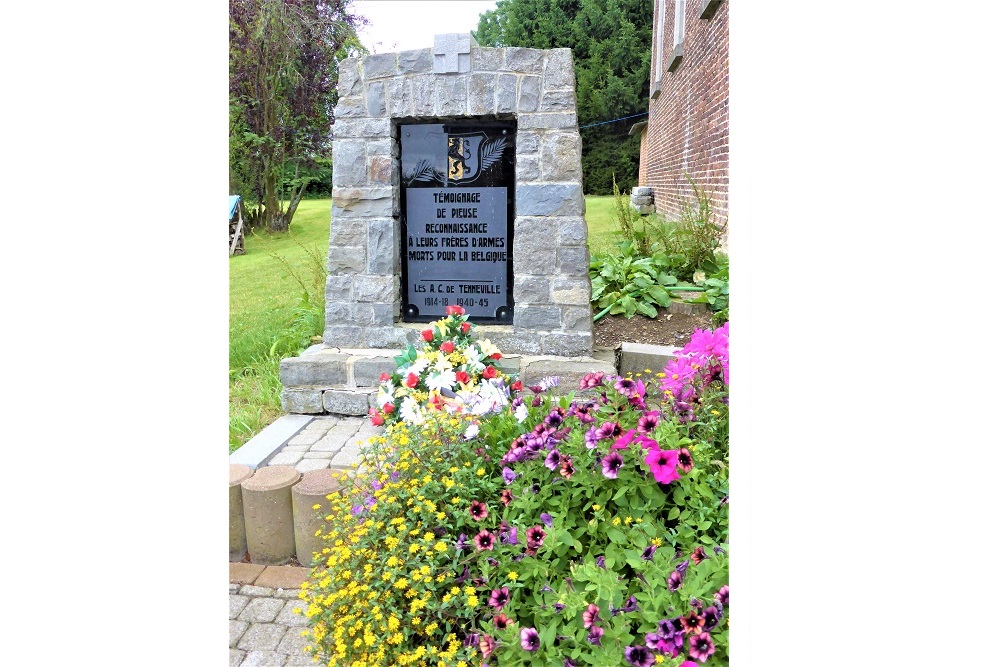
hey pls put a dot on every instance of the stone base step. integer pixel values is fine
(339, 381)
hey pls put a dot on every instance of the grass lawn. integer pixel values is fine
(265, 289)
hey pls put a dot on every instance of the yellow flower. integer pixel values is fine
(481, 472)
(471, 602)
(596, 508)
(616, 521)
(512, 575)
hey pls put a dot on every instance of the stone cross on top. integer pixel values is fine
(453, 52)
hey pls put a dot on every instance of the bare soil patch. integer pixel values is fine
(673, 329)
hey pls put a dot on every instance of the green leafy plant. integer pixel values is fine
(691, 241)
(628, 282)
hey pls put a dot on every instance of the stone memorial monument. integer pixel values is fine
(456, 180)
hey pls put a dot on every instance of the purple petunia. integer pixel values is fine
(595, 634)
(530, 640)
(702, 646)
(552, 460)
(639, 656)
(499, 598)
(611, 464)
(648, 421)
(590, 615)
(722, 595)
(508, 475)
(647, 553)
(674, 580)
(484, 540)
(546, 519)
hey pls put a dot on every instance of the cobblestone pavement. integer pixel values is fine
(264, 628)
(326, 442)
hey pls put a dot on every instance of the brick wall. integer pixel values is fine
(688, 131)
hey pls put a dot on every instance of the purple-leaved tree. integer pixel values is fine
(283, 57)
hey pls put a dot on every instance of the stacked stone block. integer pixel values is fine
(536, 88)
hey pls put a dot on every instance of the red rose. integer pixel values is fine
(412, 380)
(495, 356)
(465, 327)
(427, 334)
(385, 376)
(388, 408)
(462, 377)
(517, 386)
(447, 347)
(376, 418)
(454, 310)
(490, 373)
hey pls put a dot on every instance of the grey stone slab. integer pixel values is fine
(383, 248)
(261, 610)
(285, 458)
(379, 65)
(347, 260)
(367, 371)
(350, 107)
(348, 78)
(547, 120)
(577, 318)
(399, 97)
(324, 369)
(351, 203)
(559, 69)
(534, 260)
(528, 142)
(303, 402)
(532, 290)
(341, 335)
(486, 59)
(346, 459)
(366, 432)
(537, 317)
(304, 660)
(523, 60)
(305, 465)
(256, 591)
(234, 588)
(236, 630)
(260, 447)
(295, 448)
(482, 94)
(451, 95)
(375, 98)
(262, 637)
(360, 128)
(313, 455)
(320, 425)
(415, 61)
(345, 402)
(291, 594)
(569, 371)
(236, 604)
(235, 657)
(527, 169)
(529, 93)
(572, 230)
(568, 344)
(547, 199)
(349, 166)
(574, 261)
(571, 291)
(264, 659)
(288, 615)
(558, 100)
(424, 90)
(518, 341)
(506, 95)
(561, 156)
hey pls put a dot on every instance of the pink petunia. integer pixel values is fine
(663, 465)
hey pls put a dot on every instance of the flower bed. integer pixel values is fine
(500, 525)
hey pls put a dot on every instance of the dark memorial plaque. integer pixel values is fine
(458, 220)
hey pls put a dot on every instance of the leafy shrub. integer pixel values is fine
(691, 240)
(629, 282)
(558, 531)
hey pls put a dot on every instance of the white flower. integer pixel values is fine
(472, 431)
(410, 411)
(521, 412)
(486, 348)
(417, 367)
(384, 395)
(442, 365)
(439, 381)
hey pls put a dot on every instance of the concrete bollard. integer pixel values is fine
(312, 490)
(267, 512)
(238, 473)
